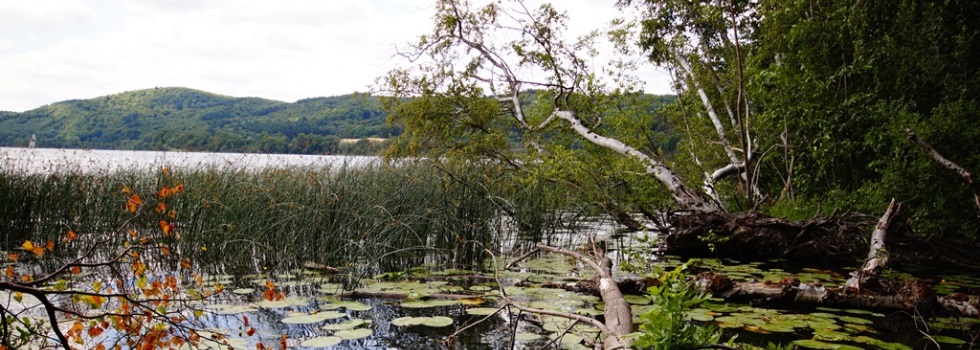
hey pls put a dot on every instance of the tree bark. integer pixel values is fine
(617, 312)
(867, 276)
(685, 198)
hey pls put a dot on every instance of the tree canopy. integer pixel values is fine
(792, 107)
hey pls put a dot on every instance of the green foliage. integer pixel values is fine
(185, 119)
(665, 326)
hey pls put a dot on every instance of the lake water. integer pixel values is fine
(47, 160)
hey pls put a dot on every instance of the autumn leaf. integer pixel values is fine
(76, 270)
(250, 331)
(179, 188)
(164, 192)
(13, 256)
(49, 246)
(166, 227)
(94, 332)
(185, 263)
(161, 207)
(127, 191)
(165, 250)
(10, 271)
(133, 203)
(29, 246)
(71, 235)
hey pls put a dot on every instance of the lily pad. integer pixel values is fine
(313, 318)
(436, 321)
(527, 336)
(349, 324)
(854, 320)
(243, 291)
(321, 342)
(416, 304)
(481, 311)
(354, 333)
(814, 344)
(284, 303)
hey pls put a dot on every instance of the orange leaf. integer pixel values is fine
(13, 256)
(161, 207)
(185, 263)
(133, 203)
(28, 246)
(94, 332)
(269, 284)
(10, 271)
(165, 250)
(179, 188)
(163, 192)
(258, 346)
(26, 278)
(100, 347)
(245, 320)
(76, 270)
(71, 235)
(49, 245)
(166, 227)
(269, 294)
(127, 191)
(250, 332)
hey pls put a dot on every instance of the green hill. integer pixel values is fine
(187, 119)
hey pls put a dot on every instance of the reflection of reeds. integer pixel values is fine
(240, 220)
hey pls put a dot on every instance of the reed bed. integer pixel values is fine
(385, 216)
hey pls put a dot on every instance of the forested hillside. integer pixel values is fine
(187, 119)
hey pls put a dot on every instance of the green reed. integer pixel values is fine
(385, 216)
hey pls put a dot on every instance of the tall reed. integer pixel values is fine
(382, 215)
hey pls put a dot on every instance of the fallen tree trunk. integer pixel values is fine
(617, 312)
(867, 275)
(909, 295)
(752, 236)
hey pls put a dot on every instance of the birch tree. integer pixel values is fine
(470, 80)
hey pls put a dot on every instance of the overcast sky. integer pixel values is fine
(55, 50)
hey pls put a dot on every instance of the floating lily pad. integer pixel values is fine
(880, 344)
(416, 304)
(636, 299)
(831, 336)
(354, 333)
(284, 303)
(436, 321)
(321, 342)
(243, 291)
(313, 318)
(815, 344)
(527, 336)
(349, 324)
(352, 305)
(481, 311)
(854, 320)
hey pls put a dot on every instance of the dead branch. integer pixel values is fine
(965, 175)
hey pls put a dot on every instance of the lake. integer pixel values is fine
(47, 160)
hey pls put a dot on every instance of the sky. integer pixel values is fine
(56, 50)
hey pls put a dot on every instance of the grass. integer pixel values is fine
(230, 220)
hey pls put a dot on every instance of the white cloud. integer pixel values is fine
(286, 50)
